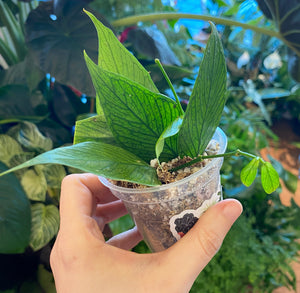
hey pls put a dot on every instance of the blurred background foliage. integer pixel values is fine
(45, 88)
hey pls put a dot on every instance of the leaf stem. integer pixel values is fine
(170, 84)
(130, 20)
(229, 154)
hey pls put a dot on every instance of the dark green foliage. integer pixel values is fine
(246, 263)
(15, 218)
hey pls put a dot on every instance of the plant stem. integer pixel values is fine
(229, 154)
(170, 84)
(130, 20)
(173, 15)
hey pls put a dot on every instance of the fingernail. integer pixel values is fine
(232, 209)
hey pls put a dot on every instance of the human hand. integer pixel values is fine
(82, 261)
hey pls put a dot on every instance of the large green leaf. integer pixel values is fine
(54, 175)
(29, 136)
(15, 217)
(99, 158)
(207, 101)
(114, 57)
(135, 115)
(45, 224)
(286, 15)
(93, 129)
(57, 44)
(8, 149)
(34, 184)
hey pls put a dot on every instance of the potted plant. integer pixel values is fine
(170, 158)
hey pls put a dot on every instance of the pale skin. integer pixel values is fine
(82, 261)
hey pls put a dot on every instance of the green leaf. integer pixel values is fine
(269, 178)
(8, 149)
(29, 136)
(54, 175)
(34, 184)
(57, 46)
(286, 15)
(207, 101)
(99, 158)
(45, 224)
(127, 105)
(171, 130)
(114, 57)
(121, 225)
(175, 73)
(15, 218)
(93, 129)
(249, 172)
(45, 279)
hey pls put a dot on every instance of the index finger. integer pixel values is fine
(80, 193)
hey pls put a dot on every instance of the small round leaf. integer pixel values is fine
(269, 178)
(249, 172)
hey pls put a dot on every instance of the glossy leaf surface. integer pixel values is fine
(45, 224)
(207, 101)
(98, 158)
(170, 131)
(248, 173)
(135, 115)
(286, 15)
(57, 44)
(114, 57)
(93, 129)
(269, 178)
(15, 218)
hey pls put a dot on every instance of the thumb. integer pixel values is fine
(188, 257)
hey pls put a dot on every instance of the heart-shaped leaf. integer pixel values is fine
(54, 174)
(269, 178)
(114, 57)
(34, 184)
(207, 101)
(45, 224)
(15, 218)
(135, 115)
(286, 15)
(249, 172)
(29, 136)
(99, 158)
(57, 43)
(8, 149)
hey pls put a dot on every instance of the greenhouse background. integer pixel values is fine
(45, 88)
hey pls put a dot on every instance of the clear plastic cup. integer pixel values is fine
(165, 213)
